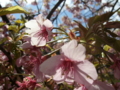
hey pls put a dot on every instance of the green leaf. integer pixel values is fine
(101, 18)
(111, 33)
(20, 37)
(13, 28)
(18, 21)
(2, 24)
(23, 19)
(81, 29)
(3, 40)
(11, 10)
(106, 47)
(116, 45)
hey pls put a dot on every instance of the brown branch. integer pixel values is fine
(114, 5)
(59, 11)
(54, 8)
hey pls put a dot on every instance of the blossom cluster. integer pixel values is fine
(70, 65)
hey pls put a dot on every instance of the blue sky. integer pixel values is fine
(69, 2)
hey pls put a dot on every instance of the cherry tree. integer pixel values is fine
(60, 45)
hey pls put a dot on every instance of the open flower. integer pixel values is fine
(40, 30)
(70, 66)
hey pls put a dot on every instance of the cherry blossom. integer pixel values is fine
(82, 87)
(3, 57)
(28, 83)
(71, 65)
(40, 30)
(27, 43)
(98, 85)
(31, 64)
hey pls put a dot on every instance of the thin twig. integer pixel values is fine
(54, 8)
(37, 7)
(59, 11)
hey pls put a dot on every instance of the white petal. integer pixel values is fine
(87, 68)
(82, 79)
(58, 77)
(69, 81)
(29, 31)
(33, 25)
(74, 51)
(48, 24)
(98, 85)
(38, 41)
(80, 88)
(50, 65)
(39, 19)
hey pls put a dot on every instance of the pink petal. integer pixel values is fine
(117, 73)
(27, 38)
(80, 88)
(48, 24)
(29, 31)
(50, 65)
(98, 85)
(69, 81)
(69, 78)
(82, 79)
(58, 77)
(26, 45)
(40, 19)
(74, 51)
(33, 25)
(38, 41)
(87, 68)
(39, 75)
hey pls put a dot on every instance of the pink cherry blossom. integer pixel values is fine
(3, 57)
(40, 30)
(22, 86)
(71, 65)
(82, 87)
(98, 85)
(31, 64)
(28, 83)
(27, 43)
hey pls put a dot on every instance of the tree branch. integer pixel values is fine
(54, 8)
(59, 12)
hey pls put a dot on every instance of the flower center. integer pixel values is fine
(44, 32)
(67, 66)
